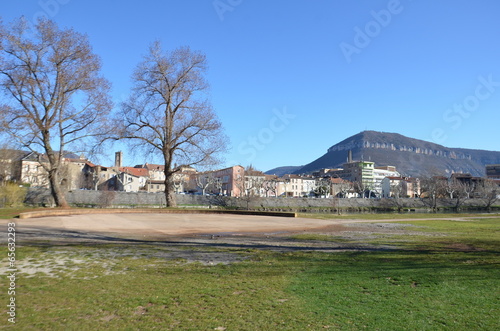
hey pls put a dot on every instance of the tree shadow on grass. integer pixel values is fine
(41, 236)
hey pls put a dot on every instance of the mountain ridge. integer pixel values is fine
(412, 157)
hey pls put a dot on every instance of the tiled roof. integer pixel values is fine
(138, 172)
(154, 167)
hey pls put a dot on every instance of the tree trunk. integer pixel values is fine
(56, 190)
(170, 198)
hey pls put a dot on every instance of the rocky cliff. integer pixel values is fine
(412, 157)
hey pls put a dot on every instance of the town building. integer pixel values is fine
(131, 179)
(400, 187)
(341, 188)
(379, 173)
(10, 165)
(493, 171)
(33, 170)
(228, 181)
(96, 177)
(296, 186)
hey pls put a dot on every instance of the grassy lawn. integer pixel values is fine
(448, 281)
(7, 213)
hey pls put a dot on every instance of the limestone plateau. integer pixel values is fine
(411, 157)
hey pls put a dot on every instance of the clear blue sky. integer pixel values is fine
(291, 78)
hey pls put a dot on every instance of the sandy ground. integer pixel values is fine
(161, 226)
(198, 230)
(207, 239)
(171, 224)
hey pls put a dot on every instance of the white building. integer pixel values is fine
(379, 173)
(296, 186)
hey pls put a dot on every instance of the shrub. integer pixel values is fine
(12, 195)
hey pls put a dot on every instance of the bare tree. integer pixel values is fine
(433, 189)
(457, 191)
(56, 97)
(168, 112)
(218, 185)
(252, 188)
(178, 179)
(343, 188)
(323, 187)
(363, 188)
(468, 189)
(488, 192)
(398, 193)
(270, 186)
(204, 181)
(452, 187)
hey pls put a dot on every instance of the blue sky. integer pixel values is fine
(289, 79)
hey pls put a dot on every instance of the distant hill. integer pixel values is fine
(412, 157)
(280, 171)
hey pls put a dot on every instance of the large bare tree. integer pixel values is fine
(56, 98)
(168, 112)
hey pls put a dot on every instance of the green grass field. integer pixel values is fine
(447, 277)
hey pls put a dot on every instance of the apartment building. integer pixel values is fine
(379, 173)
(296, 186)
(228, 181)
(33, 172)
(361, 173)
(493, 171)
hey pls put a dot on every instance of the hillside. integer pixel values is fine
(412, 157)
(280, 171)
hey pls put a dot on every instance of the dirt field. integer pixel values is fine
(175, 229)
(208, 239)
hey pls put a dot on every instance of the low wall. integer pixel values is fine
(113, 199)
(79, 211)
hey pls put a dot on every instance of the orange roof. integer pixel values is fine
(138, 172)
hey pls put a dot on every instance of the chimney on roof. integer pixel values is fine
(118, 159)
(349, 156)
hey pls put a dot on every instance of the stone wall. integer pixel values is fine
(108, 199)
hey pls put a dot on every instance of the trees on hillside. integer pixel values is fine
(168, 112)
(55, 96)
